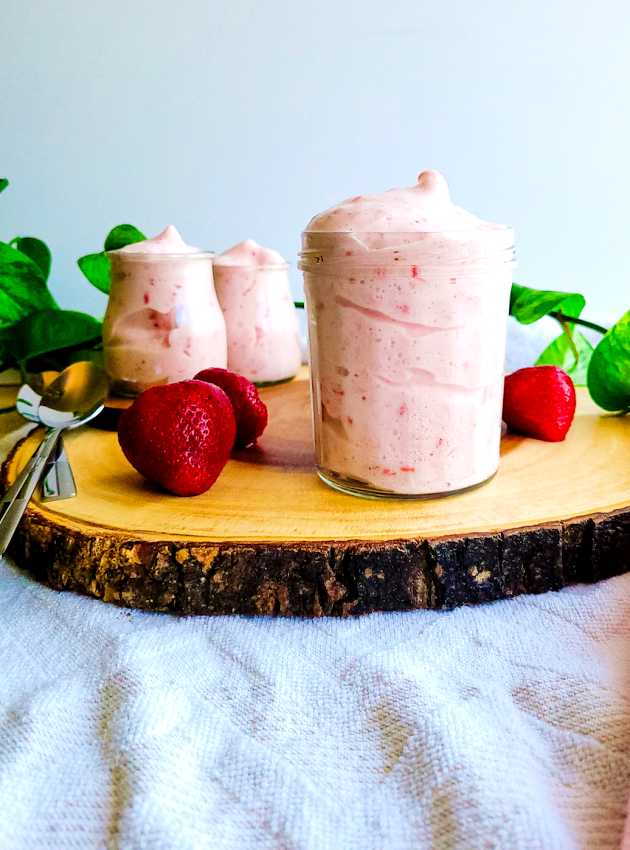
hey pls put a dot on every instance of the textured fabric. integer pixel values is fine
(502, 726)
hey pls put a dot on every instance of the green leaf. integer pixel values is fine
(48, 331)
(562, 353)
(37, 250)
(23, 288)
(528, 305)
(96, 268)
(609, 370)
(58, 360)
(121, 235)
(94, 355)
(3, 183)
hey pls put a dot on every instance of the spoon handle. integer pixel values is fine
(17, 485)
(16, 499)
(58, 481)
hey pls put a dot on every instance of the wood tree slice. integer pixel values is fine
(270, 538)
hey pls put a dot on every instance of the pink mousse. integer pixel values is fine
(408, 301)
(163, 321)
(262, 329)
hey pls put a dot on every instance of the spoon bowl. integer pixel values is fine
(30, 394)
(74, 397)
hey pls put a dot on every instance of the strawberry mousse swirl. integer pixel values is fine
(262, 328)
(167, 242)
(163, 321)
(407, 299)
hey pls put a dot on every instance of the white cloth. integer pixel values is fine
(503, 726)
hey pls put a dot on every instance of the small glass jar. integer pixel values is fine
(163, 322)
(407, 337)
(262, 325)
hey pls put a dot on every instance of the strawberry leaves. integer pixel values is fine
(570, 351)
(45, 332)
(36, 250)
(24, 270)
(23, 287)
(32, 327)
(121, 235)
(96, 267)
(605, 368)
(608, 375)
(529, 305)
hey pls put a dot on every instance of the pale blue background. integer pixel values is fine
(236, 119)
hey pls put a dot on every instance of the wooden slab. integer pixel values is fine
(269, 537)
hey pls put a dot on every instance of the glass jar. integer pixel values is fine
(407, 337)
(163, 322)
(262, 325)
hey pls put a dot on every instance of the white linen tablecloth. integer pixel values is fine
(501, 726)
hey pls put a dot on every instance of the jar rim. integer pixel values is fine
(159, 255)
(261, 268)
(473, 231)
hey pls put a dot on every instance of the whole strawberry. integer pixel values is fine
(540, 402)
(249, 408)
(179, 435)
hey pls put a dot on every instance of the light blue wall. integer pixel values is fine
(236, 119)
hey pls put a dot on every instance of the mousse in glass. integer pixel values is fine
(163, 321)
(407, 298)
(262, 328)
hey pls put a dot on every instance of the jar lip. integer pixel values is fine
(472, 231)
(245, 266)
(159, 255)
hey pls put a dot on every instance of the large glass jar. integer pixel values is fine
(407, 298)
(262, 328)
(163, 321)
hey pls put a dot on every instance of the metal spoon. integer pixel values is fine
(57, 481)
(73, 398)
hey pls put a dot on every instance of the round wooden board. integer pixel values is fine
(270, 537)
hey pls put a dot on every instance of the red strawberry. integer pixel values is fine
(179, 435)
(249, 408)
(539, 401)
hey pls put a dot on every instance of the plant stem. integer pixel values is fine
(573, 320)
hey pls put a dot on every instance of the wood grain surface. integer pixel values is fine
(270, 537)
